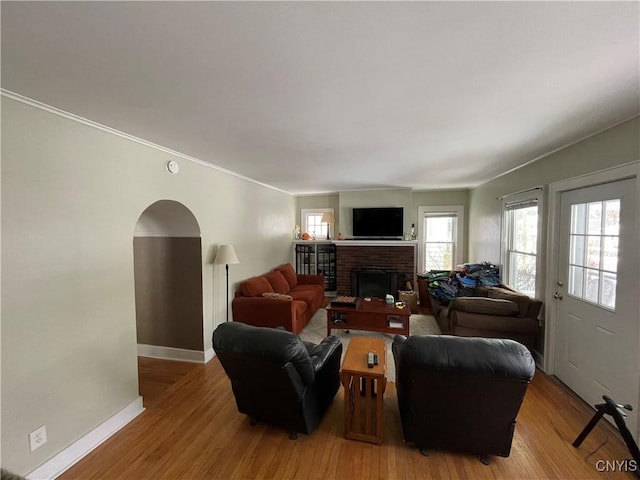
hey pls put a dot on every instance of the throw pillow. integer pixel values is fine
(256, 286)
(280, 296)
(289, 273)
(278, 282)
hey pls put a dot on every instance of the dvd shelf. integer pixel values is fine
(317, 259)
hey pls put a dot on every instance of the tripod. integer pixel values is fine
(610, 407)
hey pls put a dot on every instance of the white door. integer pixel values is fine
(597, 294)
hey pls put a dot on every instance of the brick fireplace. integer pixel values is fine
(390, 256)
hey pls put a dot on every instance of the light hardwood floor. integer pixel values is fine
(192, 430)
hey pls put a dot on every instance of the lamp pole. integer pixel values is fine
(225, 256)
(226, 267)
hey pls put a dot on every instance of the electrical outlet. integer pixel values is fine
(38, 437)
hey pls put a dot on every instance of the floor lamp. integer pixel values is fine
(226, 255)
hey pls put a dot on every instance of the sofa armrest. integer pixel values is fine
(535, 305)
(263, 311)
(325, 350)
(310, 279)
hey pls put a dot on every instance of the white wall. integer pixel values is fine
(436, 198)
(372, 198)
(71, 197)
(330, 200)
(616, 146)
(167, 218)
(343, 202)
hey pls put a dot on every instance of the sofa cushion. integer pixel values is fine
(278, 282)
(481, 324)
(485, 306)
(255, 287)
(518, 298)
(289, 273)
(281, 296)
(318, 289)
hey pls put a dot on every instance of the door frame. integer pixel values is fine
(631, 170)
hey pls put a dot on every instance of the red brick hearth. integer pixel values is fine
(387, 257)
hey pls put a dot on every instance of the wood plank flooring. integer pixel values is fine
(192, 430)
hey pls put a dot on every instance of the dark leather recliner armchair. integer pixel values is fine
(461, 393)
(276, 377)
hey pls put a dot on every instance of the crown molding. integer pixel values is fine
(90, 123)
(556, 150)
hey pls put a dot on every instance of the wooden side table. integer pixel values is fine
(364, 390)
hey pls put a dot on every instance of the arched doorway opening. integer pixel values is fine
(167, 253)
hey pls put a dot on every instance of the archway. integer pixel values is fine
(167, 252)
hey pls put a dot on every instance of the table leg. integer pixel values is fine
(382, 384)
(347, 381)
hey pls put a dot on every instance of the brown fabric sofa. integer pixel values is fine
(280, 298)
(493, 312)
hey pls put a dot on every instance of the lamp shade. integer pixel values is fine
(226, 255)
(327, 217)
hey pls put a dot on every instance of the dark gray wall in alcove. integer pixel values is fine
(168, 282)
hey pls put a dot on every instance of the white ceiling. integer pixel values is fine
(314, 96)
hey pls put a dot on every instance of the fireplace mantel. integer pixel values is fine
(364, 243)
(376, 243)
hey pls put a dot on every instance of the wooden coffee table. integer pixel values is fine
(372, 316)
(364, 390)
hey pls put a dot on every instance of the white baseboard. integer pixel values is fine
(68, 457)
(209, 354)
(170, 353)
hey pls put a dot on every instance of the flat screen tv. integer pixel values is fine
(378, 222)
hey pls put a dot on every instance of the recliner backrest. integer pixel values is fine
(270, 345)
(496, 358)
(461, 393)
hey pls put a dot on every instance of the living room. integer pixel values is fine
(75, 185)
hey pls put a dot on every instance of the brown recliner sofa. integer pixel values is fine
(492, 312)
(280, 298)
(460, 394)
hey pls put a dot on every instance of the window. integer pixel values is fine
(440, 237)
(312, 222)
(521, 238)
(593, 251)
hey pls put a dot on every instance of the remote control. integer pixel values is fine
(370, 359)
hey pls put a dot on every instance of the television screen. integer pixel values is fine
(378, 222)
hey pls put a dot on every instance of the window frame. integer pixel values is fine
(528, 197)
(601, 269)
(438, 211)
(305, 212)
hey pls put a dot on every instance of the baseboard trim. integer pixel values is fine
(208, 355)
(171, 353)
(71, 455)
